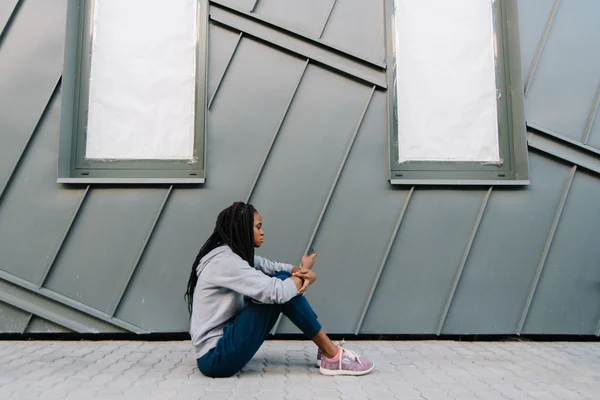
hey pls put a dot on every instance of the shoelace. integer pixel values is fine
(349, 353)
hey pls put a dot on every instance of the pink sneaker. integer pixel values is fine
(349, 363)
(320, 353)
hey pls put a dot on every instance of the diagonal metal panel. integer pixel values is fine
(533, 19)
(544, 255)
(52, 260)
(51, 311)
(361, 216)
(258, 85)
(307, 16)
(383, 262)
(334, 185)
(318, 54)
(221, 47)
(26, 84)
(571, 151)
(318, 127)
(566, 77)
(8, 12)
(63, 301)
(541, 44)
(358, 27)
(21, 153)
(272, 143)
(310, 40)
(567, 299)
(424, 261)
(40, 325)
(592, 122)
(503, 259)
(35, 211)
(12, 319)
(133, 268)
(104, 244)
(333, 3)
(463, 262)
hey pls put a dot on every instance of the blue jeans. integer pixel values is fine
(242, 339)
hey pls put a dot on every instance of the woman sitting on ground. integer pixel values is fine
(235, 298)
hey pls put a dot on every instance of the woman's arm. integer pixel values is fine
(235, 274)
(271, 267)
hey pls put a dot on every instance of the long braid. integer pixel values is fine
(234, 228)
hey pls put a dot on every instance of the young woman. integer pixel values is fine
(236, 297)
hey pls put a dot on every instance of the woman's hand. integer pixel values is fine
(308, 276)
(308, 261)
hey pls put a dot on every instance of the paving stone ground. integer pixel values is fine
(286, 370)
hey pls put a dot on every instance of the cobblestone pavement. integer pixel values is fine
(286, 370)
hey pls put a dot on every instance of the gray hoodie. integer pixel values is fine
(224, 279)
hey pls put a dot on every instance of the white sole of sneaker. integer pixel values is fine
(337, 372)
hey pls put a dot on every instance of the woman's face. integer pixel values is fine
(259, 234)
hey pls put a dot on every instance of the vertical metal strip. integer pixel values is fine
(10, 20)
(540, 267)
(538, 53)
(254, 6)
(132, 270)
(383, 261)
(29, 139)
(328, 17)
(598, 329)
(63, 239)
(339, 171)
(463, 262)
(592, 117)
(237, 43)
(268, 152)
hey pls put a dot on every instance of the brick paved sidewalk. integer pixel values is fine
(286, 370)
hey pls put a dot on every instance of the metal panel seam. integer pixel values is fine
(541, 45)
(281, 121)
(272, 24)
(10, 21)
(50, 316)
(463, 261)
(27, 322)
(132, 270)
(339, 171)
(546, 250)
(324, 55)
(572, 154)
(327, 19)
(63, 239)
(384, 261)
(592, 117)
(67, 301)
(237, 43)
(30, 138)
(334, 184)
(254, 6)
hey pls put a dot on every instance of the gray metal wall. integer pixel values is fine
(298, 84)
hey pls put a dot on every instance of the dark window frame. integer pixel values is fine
(73, 166)
(511, 116)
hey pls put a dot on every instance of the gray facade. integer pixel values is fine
(297, 124)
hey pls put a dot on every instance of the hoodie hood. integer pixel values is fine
(215, 253)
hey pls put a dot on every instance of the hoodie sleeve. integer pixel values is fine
(271, 267)
(236, 274)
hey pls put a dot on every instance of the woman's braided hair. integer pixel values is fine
(234, 228)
